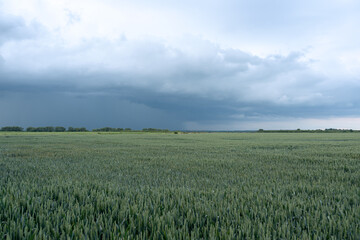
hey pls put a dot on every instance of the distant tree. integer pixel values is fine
(30, 129)
(12, 129)
(108, 129)
(154, 130)
(82, 129)
(40, 129)
(127, 129)
(261, 130)
(60, 129)
(49, 129)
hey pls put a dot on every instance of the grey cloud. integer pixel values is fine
(15, 28)
(212, 73)
(123, 82)
(152, 82)
(2, 62)
(66, 109)
(125, 105)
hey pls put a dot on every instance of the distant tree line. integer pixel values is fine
(45, 129)
(110, 129)
(42, 129)
(55, 129)
(61, 129)
(327, 130)
(154, 130)
(12, 129)
(82, 129)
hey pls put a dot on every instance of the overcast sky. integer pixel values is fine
(215, 65)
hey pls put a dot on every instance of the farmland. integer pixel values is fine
(180, 186)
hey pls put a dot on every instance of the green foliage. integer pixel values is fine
(328, 130)
(46, 129)
(30, 129)
(108, 129)
(185, 186)
(60, 129)
(12, 129)
(154, 130)
(82, 129)
(40, 129)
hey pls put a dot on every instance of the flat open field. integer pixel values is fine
(180, 186)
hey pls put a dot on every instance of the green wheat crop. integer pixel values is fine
(180, 186)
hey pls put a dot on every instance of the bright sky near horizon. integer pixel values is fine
(200, 65)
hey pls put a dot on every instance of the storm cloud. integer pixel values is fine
(60, 72)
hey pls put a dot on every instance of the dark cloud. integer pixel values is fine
(66, 109)
(60, 103)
